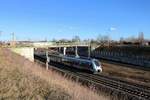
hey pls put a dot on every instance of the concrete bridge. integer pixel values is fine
(54, 44)
(27, 49)
(65, 46)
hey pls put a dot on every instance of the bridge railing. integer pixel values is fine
(71, 44)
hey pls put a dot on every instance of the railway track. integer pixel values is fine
(145, 88)
(133, 91)
(124, 87)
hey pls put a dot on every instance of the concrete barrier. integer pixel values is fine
(121, 57)
(27, 52)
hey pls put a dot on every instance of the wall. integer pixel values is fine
(136, 55)
(27, 52)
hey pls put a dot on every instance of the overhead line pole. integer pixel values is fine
(47, 59)
(89, 49)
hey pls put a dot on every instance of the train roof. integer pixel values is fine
(80, 57)
(75, 57)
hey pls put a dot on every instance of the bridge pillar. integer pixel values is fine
(59, 49)
(89, 51)
(64, 51)
(76, 51)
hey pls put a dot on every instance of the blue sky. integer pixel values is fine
(40, 19)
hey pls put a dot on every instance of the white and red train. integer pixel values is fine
(89, 64)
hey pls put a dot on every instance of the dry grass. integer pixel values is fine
(129, 74)
(22, 79)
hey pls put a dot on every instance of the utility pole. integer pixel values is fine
(47, 59)
(13, 36)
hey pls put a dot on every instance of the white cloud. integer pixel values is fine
(112, 29)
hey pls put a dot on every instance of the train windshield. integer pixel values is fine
(96, 63)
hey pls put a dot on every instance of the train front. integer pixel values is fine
(97, 66)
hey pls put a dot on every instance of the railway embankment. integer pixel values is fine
(23, 79)
(134, 55)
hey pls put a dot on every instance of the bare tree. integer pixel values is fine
(99, 38)
(54, 40)
(63, 40)
(131, 39)
(141, 38)
(121, 40)
(76, 39)
(103, 39)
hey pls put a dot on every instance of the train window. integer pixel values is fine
(96, 63)
(90, 64)
(84, 63)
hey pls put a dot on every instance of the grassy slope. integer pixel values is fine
(22, 79)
